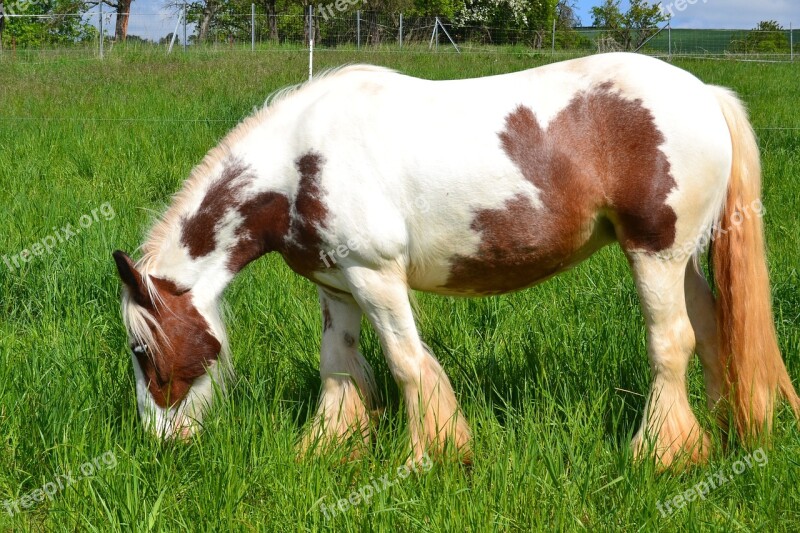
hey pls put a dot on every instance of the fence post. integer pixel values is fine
(184, 25)
(791, 42)
(358, 28)
(669, 32)
(252, 27)
(554, 37)
(102, 30)
(310, 42)
(401, 31)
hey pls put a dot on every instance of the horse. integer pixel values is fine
(531, 173)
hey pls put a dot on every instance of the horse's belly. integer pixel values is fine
(516, 258)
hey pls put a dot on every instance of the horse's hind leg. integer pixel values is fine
(700, 305)
(348, 387)
(434, 415)
(668, 424)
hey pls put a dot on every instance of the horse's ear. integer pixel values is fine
(130, 276)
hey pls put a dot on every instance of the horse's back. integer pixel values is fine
(493, 184)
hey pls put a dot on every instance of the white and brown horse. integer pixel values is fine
(532, 173)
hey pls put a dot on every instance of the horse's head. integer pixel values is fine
(175, 351)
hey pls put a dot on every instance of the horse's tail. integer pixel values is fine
(748, 344)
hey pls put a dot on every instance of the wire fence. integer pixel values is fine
(92, 35)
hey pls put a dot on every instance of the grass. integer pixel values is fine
(552, 379)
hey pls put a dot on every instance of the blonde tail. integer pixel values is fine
(748, 342)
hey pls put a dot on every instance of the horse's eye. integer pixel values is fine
(139, 349)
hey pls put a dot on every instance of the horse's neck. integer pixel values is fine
(230, 212)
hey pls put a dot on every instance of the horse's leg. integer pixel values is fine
(434, 415)
(348, 387)
(668, 424)
(700, 305)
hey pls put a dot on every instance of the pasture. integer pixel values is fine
(552, 378)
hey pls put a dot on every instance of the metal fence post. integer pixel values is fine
(791, 42)
(310, 42)
(401, 31)
(253, 27)
(669, 32)
(102, 30)
(184, 25)
(358, 28)
(554, 37)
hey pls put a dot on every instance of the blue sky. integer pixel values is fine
(717, 14)
(738, 14)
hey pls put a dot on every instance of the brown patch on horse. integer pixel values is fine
(198, 232)
(265, 226)
(308, 214)
(184, 352)
(349, 340)
(599, 159)
(327, 319)
(270, 221)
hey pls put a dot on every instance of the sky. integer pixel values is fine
(716, 14)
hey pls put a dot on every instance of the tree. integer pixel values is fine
(271, 9)
(122, 9)
(632, 28)
(2, 22)
(510, 21)
(54, 28)
(768, 37)
(199, 12)
(566, 17)
(566, 22)
(167, 39)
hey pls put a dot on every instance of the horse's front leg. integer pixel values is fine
(434, 415)
(348, 387)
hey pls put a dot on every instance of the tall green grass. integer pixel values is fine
(552, 379)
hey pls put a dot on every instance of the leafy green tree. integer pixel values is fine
(40, 31)
(630, 29)
(510, 21)
(768, 37)
(2, 22)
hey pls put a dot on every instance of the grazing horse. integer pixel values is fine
(529, 174)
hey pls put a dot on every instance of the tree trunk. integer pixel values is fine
(272, 18)
(123, 15)
(374, 29)
(2, 23)
(208, 13)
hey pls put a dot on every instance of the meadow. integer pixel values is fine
(552, 378)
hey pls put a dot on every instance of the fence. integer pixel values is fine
(81, 33)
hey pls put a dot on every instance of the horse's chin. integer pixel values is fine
(182, 421)
(171, 425)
